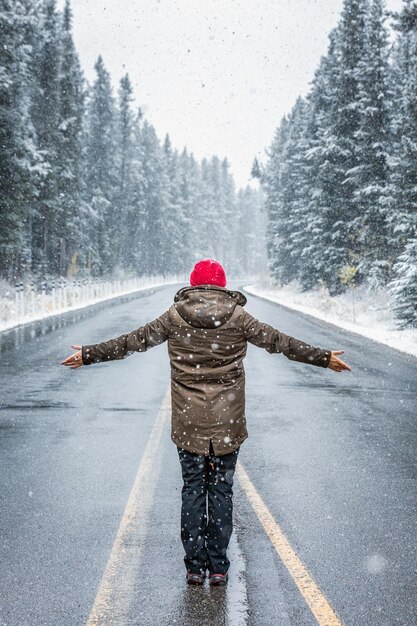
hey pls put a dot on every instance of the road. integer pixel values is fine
(90, 482)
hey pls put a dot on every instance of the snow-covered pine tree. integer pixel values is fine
(342, 214)
(215, 217)
(126, 162)
(229, 250)
(250, 235)
(206, 216)
(72, 228)
(294, 182)
(45, 113)
(100, 180)
(403, 214)
(403, 288)
(136, 225)
(319, 174)
(176, 222)
(20, 162)
(287, 180)
(373, 138)
(154, 202)
(190, 189)
(271, 182)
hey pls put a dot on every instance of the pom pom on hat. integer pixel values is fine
(208, 272)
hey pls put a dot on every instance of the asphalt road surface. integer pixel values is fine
(325, 496)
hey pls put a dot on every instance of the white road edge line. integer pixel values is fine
(237, 603)
(116, 588)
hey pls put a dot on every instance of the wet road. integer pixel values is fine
(90, 509)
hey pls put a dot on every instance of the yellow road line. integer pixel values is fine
(116, 588)
(318, 603)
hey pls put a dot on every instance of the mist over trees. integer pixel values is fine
(341, 174)
(86, 185)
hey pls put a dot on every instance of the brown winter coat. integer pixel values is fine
(207, 330)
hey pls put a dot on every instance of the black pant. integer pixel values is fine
(208, 482)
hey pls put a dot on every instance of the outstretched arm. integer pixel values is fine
(271, 339)
(139, 340)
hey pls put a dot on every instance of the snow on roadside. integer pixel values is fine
(12, 323)
(366, 313)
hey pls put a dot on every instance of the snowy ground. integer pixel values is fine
(365, 313)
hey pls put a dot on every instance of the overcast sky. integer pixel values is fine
(217, 75)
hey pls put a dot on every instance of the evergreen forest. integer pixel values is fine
(87, 188)
(341, 174)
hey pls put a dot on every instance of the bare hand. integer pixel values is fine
(337, 364)
(75, 360)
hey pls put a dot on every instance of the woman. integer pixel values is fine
(207, 329)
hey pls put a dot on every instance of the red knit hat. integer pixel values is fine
(208, 272)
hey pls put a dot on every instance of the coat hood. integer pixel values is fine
(207, 306)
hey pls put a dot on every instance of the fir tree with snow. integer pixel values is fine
(373, 139)
(21, 163)
(71, 231)
(49, 214)
(100, 184)
(403, 207)
(403, 288)
(126, 163)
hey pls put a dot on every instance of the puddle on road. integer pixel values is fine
(342, 390)
(202, 605)
(123, 408)
(30, 407)
(345, 390)
(210, 606)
